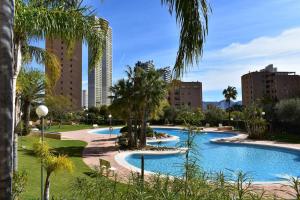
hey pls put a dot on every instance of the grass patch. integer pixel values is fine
(65, 128)
(61, 181)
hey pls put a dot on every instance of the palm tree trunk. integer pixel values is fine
(129, 137)
(229, 110)
(17, 117)
(6, 97)
(143, 129)
(26, 116)
(47, 187)
(17, 67)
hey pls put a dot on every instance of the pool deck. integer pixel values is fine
(103, 146)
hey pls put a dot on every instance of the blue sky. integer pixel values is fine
(243, 36)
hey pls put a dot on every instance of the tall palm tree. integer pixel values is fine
(230, 93)
(40, 19)
(122, 103)
(6, 101)
(151, 91)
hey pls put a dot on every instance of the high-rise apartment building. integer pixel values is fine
(270, 83)
(84, 99)
(186, 94)
(70, 81)
(100, 77)
(145, 65)
(166, 74)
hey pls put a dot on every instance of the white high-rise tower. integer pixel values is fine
(100, 78)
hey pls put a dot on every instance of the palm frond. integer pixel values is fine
(69, 24)
(42, 56)
(192, 16)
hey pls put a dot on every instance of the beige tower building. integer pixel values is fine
(100, 78)
(186, 94)
(270, 83)
(70, 82)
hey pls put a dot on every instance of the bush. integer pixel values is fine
(124, 129)
(256, 125)
(20, 180)
(288, 111)
(214, 115)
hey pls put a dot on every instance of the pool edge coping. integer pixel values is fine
(120, 158)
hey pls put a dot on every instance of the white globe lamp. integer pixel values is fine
(41, 111)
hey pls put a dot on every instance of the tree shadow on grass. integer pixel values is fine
(69, 151)
(28, 152)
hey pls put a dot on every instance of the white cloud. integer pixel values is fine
(222, 67)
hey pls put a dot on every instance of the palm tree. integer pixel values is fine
(38, 21)
(51, 163)
(30, 88)
(151, 91)
(122, 105)
(6, 101)
(229, 93)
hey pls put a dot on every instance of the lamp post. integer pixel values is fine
(110, 128)
(42, 111)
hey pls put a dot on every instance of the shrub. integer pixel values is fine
(288, 111)
(20, 180)
(256, 125)
(214, 115)
(124, 129)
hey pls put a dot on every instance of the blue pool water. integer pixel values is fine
(260, 162)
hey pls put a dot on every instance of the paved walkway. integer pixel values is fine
(103, 146)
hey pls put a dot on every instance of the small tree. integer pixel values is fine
(58, 106)
(255, 124)
(288, 111)
(51, 163)
(191, 117)
(30, 88)
(104, 112)
(214, 115)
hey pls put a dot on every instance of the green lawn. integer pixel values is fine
(65, 128)
(61, 181)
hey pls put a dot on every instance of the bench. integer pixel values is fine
(105, 166)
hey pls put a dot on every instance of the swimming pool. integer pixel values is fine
(262, 163)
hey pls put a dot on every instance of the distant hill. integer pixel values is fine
(220, 104)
